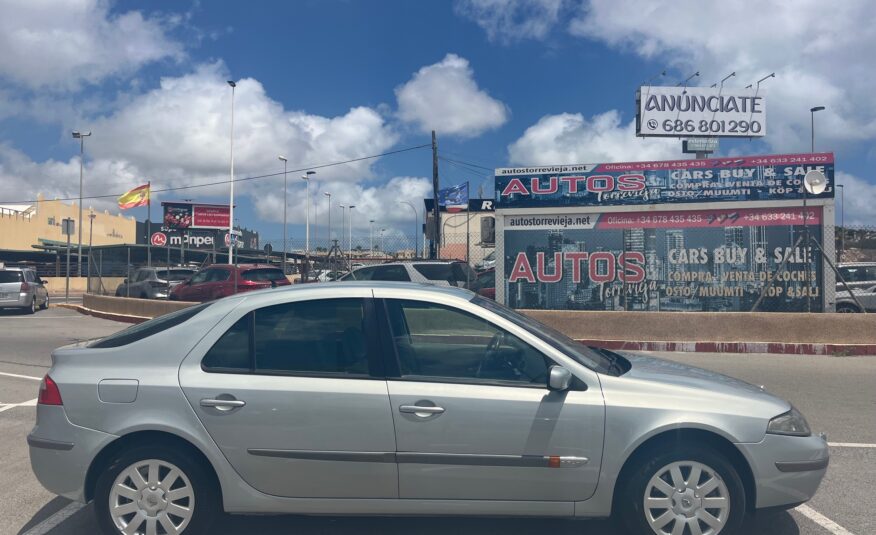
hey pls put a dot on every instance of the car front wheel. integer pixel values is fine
(689, 492)
(155, 490)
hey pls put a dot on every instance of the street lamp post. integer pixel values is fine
(285, 191)
(416, 224)
(91, 217)
(306, 178)
(329, 240)
(812, 115)
(371, 239)
(382, 250)
(81, 137)
(231, 237)
(842, 220)
(351, 234)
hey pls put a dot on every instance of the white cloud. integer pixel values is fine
(816, 53)
(859, 198)
(512, 20)
(571, 138)
(178, 135)
(446, 98)
(60, 44)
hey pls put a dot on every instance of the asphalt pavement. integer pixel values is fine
(837, 394)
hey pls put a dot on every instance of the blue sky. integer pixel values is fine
(502, 81)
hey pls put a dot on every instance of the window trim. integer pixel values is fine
(393, 366)
(372, 344)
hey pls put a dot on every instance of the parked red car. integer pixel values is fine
(220, 280)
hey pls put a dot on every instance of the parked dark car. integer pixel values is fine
(487, 282)
(153, 283)
(222, 280)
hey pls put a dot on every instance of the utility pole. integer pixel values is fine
(433, 247)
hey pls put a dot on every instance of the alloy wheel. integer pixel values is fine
(151, 497)
(686, 498)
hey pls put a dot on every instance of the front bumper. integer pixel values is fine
(61, 452)
(787, 470)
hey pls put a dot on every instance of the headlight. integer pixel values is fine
(790, 423)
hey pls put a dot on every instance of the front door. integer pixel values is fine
(294, 396)
(474, 418)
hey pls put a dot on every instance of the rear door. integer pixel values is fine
(474, 418)
(10, 286)
(294, 395)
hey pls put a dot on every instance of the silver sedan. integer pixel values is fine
(392, 398)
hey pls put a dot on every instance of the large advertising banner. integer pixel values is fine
(675, 111)
(751, 178)
(179, 215)
(695, 260)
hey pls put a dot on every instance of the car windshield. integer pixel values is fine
(587, 356)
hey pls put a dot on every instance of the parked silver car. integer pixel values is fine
(22, 288)
(392, 398)
(153, 283)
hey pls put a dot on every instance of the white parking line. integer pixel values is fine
(53, 521)
(7, 406)
(822, 520)
(850, 445)
(17, 376)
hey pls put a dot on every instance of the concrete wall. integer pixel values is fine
(712, 326)
(123, 306)
(56, 285)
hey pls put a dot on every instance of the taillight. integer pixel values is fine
(49, 393)
(25, 287)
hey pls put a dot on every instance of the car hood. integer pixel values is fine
(673, 374)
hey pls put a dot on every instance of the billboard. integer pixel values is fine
(179, 215)
(699, 111)
(750, 178)
(685, 260)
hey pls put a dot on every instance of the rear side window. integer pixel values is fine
(319, 337)
(10, 276)
(263, 275)
(390, 273)
(148, 328)
(436, 272)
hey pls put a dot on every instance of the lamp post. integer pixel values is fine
(81, 137)
(329, 240)
(91, 216)
(812, 115)
(306, 178)
(382, 250)
(842, 220)
(351, 234)
(371, 238)
(231, 236)
(343, 225)
(416, 224)
(285, 191)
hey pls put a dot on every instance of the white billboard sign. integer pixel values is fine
(700, 112)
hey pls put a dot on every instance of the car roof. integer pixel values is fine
(11, 268)
(336, 289)
(412, 262)
(856, 264)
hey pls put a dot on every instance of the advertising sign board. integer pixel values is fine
(700, 111)
(685, 260)
(179, 215)
(751, 178)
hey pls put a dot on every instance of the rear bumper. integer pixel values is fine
(61, 452)
(16, 300)
(787, 470)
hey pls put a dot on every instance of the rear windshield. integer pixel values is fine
(259, 275)
(10, 276)
(148, 328)
(441, 272)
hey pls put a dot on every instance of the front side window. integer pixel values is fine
(442, 343)
(217, 275)
(200, 277)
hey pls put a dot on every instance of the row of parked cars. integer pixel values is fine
(221, 280)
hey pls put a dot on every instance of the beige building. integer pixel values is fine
(453, 236)
(22, 226)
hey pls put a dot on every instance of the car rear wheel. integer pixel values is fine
(32, 308)
(45, 304)
(151, 490)
(694, 491)
(847, 308)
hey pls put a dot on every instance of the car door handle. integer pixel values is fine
(420, 410)
(223, 404)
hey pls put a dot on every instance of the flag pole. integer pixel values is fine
(149, 223)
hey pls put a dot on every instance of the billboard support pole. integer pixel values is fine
(149, 223)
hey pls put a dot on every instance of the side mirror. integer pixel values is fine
(559, 378)
(43, 281)
(125, 281)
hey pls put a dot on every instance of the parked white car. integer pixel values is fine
(866, 297)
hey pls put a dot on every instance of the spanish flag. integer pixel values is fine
(138, 196)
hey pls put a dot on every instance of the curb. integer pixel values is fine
(779, 348)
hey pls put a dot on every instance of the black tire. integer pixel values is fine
(206, 496)
(31, 309)
(45, 304)
(630, 510)
(847, 308)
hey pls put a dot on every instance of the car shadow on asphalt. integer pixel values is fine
(82, 523)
